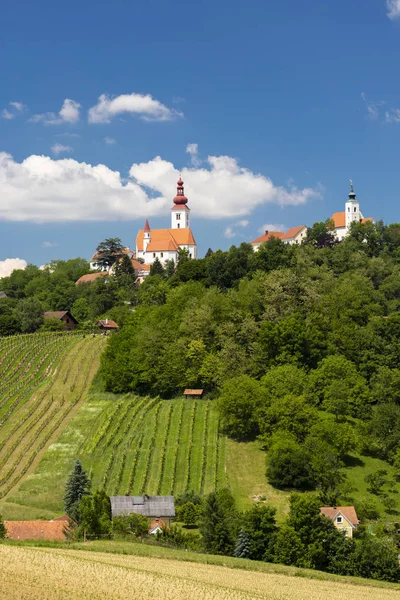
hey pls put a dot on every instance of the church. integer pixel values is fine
(164, 244)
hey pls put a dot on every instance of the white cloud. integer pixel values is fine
(193, 150)
(42, 189)
(69, 113)
(50, 245)
(144, 106)
(18, 106)
(392, 115)
(231, 231)
(271, 227)
(68, 134)
(60, 148)
(110, 141)
(373, 107)
(393, 7)
(6, 114)
(9, 265)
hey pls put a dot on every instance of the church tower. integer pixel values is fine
(180, 213)
(146, 235)
(352, 208)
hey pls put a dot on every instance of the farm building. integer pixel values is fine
(38, 530)
(156, 508)
(62, 315)
(107, 325)
(344, 518)
(188, 393)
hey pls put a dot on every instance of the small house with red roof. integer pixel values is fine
(54, 530)
(344, 518)
(107, 325)
(62, 315)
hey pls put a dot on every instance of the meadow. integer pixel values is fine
(28, 573)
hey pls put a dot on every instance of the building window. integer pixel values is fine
(348, 209)
(162, 254)
(154, 254)
(338, 519)
(355, 209)
(178, 217)
(179, 225)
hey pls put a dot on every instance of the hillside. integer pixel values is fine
(46, 377)
(48, 573)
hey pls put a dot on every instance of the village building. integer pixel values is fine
(165, 244)
(62, 315)
(189, 393)
(107, 325)
(54, 530)
(156, 508)
(344, 518)
(90, 277)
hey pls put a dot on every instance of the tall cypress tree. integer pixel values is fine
(77, 486)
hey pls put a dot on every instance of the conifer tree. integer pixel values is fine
(77, 486)
(3, 529)
(242, 545)
(157, 268)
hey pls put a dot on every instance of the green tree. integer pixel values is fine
(53, 325)
(29, 314)
(260, 526)
(134, 525)
(322, 234)
(376, 480)
(219, 523)
(125, 267)
(288, 547)
(77, 486)
(377, 558)
(95, 514)
(242, 545)
(3, 530)
(240, 399)
(157, 268)
(290, 413)
(189, 513)
(109, 252)
(288, 463)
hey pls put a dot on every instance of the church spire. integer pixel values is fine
(146, 226)
(352, 194)
(180, 197)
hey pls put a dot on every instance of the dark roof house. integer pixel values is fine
(153, 507)
(62, 315)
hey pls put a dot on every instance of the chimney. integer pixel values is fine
(107, 321)
(266, 232)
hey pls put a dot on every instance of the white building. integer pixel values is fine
(294, 235)
(352, 213)
(164, 244)
(94, 265)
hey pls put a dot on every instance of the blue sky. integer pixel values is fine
(280, 103)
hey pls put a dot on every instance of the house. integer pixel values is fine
(156, 508)
(156, 527)
(90, 277)
(188, 393)
(165, 244)
(344, 518)
(62, 315)
(54, 530)
(295, 235)
(94, 260)
(3, 295)
(267, 235)
(107, 325)
(352, 213)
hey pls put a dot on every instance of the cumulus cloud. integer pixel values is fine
(393, 8)
(6, 114)
(392, 115)
(43, 189)
(110, 141)
(60, 149)
(144, 106)
(9, 265)
(232, 230)
(69, 113)
(193, 150)
(271, 227)
(18, 106)
(50, 244)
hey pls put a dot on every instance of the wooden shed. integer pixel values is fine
(188, 393)
(62, 315)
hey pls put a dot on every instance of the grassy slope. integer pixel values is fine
(119, 570)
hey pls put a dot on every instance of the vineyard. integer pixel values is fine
(41, 386)
(160, 447)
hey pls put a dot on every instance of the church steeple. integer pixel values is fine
(179, 211)
(352, 194)
(352, 209)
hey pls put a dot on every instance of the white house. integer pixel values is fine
(95, 265)
(164, 244)
(294, 235)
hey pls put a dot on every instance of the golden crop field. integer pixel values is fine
(28, 573)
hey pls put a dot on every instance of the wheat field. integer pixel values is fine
(28, 573)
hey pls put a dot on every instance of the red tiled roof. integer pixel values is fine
(349, 512)
(90, 277)
(36, 530)
(292, 232)
(189, 392)
(339, 218)
(164, 237)
(367, 219)
(107, 324)
(268, 236)
(156, 523)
